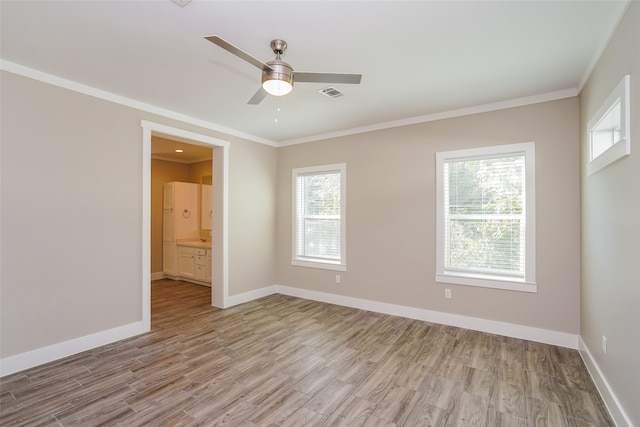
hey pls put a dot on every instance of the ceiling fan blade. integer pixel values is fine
(306, 77)
(217, 40)
(258, 97)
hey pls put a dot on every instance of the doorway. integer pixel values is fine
(176, 161)
(219, 227)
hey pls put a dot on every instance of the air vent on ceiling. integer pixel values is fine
(331, 92)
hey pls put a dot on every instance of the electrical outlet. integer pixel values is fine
(337, 278)
(604, 344)
(447, 293)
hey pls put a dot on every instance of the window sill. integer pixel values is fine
(487, 283)
(616, 151)
(336, 266)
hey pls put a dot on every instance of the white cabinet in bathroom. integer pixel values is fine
(185, 256)
(179, 221)
(186, 262)
(168, 259)
(168, 246)
(194, 263)
(203, 265)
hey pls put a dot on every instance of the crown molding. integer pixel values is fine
(118, 99)
(51, 79)
(495, 106)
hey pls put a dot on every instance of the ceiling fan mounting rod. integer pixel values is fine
(278, 46)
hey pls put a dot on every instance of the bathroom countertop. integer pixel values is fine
(194, 244)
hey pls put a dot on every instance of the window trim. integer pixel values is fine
(528, 284)
(621, 147)
(340, 265)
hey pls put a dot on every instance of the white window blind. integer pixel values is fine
(486, 217)
(318, 211)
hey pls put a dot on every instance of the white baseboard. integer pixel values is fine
(546, 336)
(250, 296)
(20, 362)
(161, 275)
(157, 275)
(36, 357)
(612, 403)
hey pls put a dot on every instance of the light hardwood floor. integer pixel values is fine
(292, 362)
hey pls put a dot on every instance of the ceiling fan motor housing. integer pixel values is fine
(279, 70)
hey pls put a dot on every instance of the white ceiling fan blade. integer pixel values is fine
(217, 40)
(307, 77)
(258, 97)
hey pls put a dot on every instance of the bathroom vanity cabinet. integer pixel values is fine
(194, 263)
(184, 256)
(203, 265)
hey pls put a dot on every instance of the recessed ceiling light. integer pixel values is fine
(179, 151)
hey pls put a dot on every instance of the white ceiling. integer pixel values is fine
(417, 58)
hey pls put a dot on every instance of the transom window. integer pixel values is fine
(319, 217)
(485, 218)
(609, 135)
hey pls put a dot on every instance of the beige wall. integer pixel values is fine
(391, 215)
(199, 170)
(71, 236)
(610, 294)
(252, 223)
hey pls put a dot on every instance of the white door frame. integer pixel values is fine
(220, 225)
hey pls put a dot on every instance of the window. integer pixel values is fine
(609, 137)
(319, 217)
(486, 217)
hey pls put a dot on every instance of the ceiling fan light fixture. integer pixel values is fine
(277, 78)
(277, 87)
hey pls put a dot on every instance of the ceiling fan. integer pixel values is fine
(278, 76)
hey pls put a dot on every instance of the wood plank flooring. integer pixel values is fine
(292, 362)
